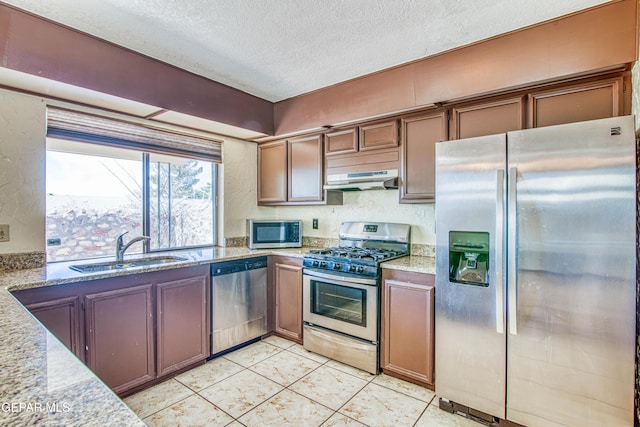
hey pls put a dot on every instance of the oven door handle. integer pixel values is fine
(337, 278)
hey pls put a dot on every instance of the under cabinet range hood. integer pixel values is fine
(356, 181)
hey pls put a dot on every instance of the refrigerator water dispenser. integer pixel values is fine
(469, 257)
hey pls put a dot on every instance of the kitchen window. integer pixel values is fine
(98, 189)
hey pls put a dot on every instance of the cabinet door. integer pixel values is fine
(183, 323)
(288, 295)
(417, 161)
(341, 142)
(119, 327)
(272, 172)
(408, 330)
(588, 101)
(379, 135)
(62, 318)
(305, 169)
(488, 118)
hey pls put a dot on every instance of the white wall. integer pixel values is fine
(22, 171)
(372, 205)
(238, 179)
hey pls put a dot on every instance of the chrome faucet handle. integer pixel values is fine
(119, 238)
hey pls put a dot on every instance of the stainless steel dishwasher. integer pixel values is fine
(238, 302)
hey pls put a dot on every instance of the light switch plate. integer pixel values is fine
(4, 232)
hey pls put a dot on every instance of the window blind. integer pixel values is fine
(79, 126)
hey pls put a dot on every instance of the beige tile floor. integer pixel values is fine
(275, 382)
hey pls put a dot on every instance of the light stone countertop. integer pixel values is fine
(42, 382)
(418, 264)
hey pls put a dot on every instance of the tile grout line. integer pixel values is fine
(257, 373)
(424, 410)
(287, 387)
(171, 404)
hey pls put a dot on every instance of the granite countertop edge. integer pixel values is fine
(33, 359)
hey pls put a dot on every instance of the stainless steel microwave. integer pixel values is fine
(265, 234)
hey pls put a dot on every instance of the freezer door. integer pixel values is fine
(572, 272)
(470, 328)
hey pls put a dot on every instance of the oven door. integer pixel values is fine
(344, 304)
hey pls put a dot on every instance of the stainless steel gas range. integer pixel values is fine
(341, 292)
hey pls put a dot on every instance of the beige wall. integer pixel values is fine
(372, 205)
(22, 173)
(238, 182)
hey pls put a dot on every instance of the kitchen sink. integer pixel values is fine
(120, 265)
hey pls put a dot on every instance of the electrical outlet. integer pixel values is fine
(4, 232)
(315, 223)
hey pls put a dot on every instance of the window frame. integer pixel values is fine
(146, 197)
(146, 208)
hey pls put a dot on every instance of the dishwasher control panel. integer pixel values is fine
(238, 265)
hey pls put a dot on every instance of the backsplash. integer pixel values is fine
(22, 261)
(320, 242)
(235, 242)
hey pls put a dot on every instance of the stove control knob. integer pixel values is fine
(337, 266)
(352, 268)
(360, 269)
(323, 264)
(315, 263)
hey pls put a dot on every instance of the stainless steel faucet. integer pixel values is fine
(120, 247)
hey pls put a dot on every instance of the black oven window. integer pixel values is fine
(339, 302)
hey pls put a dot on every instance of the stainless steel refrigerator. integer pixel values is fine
(536, 275)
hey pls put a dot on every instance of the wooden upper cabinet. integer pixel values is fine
(487, 118)
(341, 142)
(417, 161)
(272, 172)
(379, 135)
(371, 136)
(305, 162)
(577, 103)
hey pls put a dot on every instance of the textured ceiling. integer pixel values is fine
(277, 49)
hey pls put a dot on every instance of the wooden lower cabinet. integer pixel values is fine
(183, 323)
(286, 277)
(407, 341)
(120, 346)
(61, 316)
(130, 330)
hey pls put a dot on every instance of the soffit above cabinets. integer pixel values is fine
(62, 91)
(278, 49)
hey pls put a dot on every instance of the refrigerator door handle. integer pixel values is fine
(512, 265)
(499, 238)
